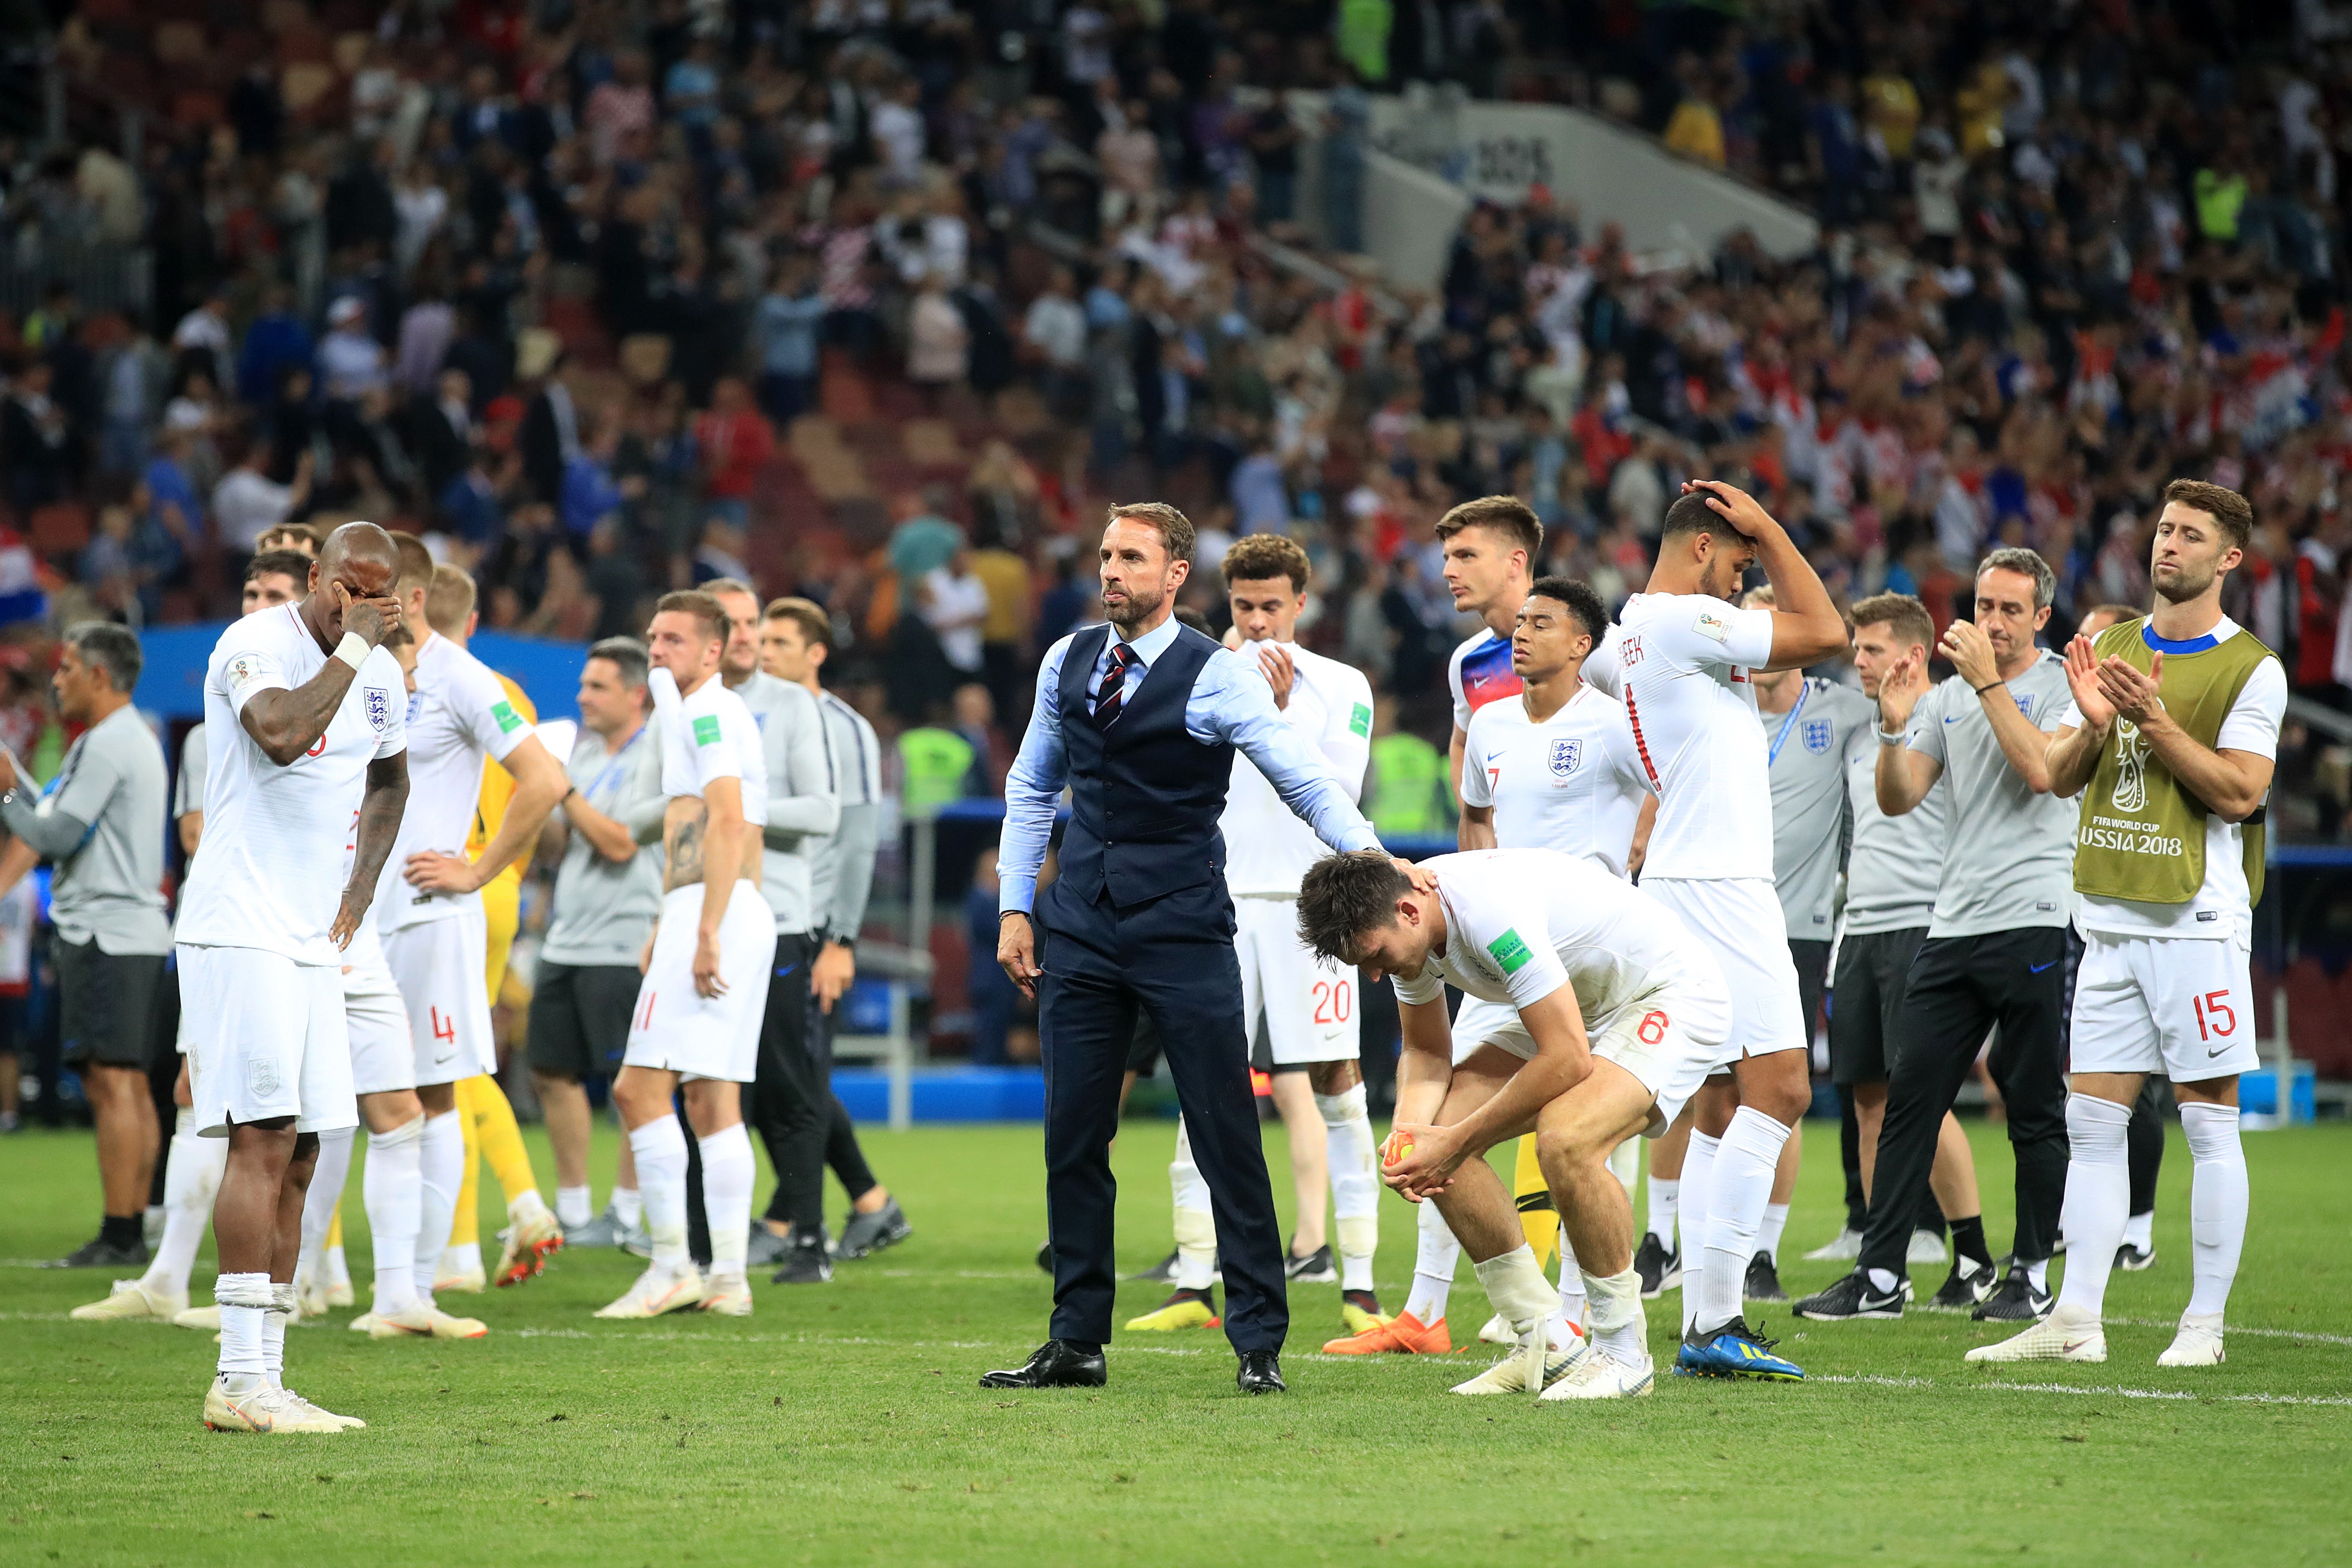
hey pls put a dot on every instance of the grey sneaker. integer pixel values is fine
(605, 1230)
(865, 1234)
(636, 1240)
(766, 1250)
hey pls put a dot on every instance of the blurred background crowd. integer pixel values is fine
(880, 301)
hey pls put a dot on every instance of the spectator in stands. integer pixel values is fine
(790, 316)
(735, 440)
(248, 503)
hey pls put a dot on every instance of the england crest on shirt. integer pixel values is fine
(1565, 756)
(1817, 736)
(378, 703)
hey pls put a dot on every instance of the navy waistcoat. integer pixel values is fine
(1145, 797)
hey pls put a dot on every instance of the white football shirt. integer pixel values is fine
(1521, 923)
(1268, 847)
(275, 836)
(1573, 783)
(709, 735)
(1679, 662)
(457, 716)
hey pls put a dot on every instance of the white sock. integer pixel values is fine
(2218, 1197)
(2037, 1274)
(1616, 1325)
(526, 1206)
(1355, 1183)
(273, 1333)
(1666, 1193)
(573, 1206)
(1738, 1191)
(328, 1179)
(628, 1207)
(441, 1166)
(1196, 1224)
(460, 1258)
(245, 1299)
(1515, 1283)
(338, 1271)
(1432, 1266)
(190, 1181)
(1768, 1234)
(1625, 1165)
(660, 1147)
(728, 1173)
(392, 1187)
(1572, 1283)
(2140, 1231)
(2098, 1197)
(1698, 1180)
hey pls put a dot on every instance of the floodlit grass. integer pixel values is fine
(845, 1424)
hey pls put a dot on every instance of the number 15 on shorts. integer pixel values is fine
(2216, 1020)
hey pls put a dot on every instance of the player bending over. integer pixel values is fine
(1623, 1013)
(698, 1015)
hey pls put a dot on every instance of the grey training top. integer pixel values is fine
(1807, 747)
(604, 908)
(2008, 856)
(1895, 862)
(100, 823)
(802, 810)
(188, 795)
(844, 866)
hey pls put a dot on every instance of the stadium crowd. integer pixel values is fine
(877, 305)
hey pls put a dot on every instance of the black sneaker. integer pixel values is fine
(1316, 1269)
(1661, 1270)
(863, 1234)
(1965, 1288)
(1046, 1256)
(766, 1249)
(2016, 1301)
(2131, 1260)
(1763, 1280)
(1852, 1296)
(804, 1264)
(98, 1252)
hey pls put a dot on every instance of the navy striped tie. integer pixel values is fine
(1114, 685)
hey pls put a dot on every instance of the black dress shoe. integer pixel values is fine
(1059, 1363)
(1261, 1373)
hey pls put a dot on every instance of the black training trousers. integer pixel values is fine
(1961, 988)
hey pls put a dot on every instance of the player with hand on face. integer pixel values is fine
(696, 1024)
(305, 707)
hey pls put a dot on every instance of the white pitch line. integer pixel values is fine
(2113, 1390)
(2307, 1336)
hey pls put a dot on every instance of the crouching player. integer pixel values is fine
(1622, 1008)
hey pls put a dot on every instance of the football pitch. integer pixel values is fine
(844, 1424)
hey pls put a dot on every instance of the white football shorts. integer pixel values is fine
(266, 1038)
(383, 1049)
(677, 1027)
(1739, 921)
(1310, 1004)
(2183, 1006)
(442, 968)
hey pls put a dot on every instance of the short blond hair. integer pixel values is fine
(450, 601)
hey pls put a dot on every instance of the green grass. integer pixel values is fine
(844, 1424)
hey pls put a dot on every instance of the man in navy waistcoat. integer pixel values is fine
(1140, 718)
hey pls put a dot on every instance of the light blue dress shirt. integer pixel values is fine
(1230, 704)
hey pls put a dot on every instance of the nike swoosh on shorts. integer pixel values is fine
(2037, 968)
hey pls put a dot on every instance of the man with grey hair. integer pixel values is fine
(1995, 953)
(100, 823)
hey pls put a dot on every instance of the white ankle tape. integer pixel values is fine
(1341, 1109)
